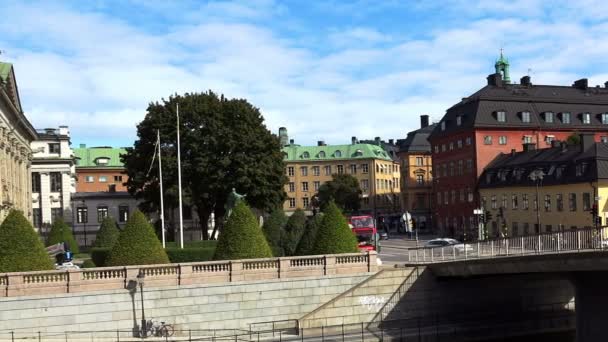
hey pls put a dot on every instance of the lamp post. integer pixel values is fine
(84, 221)
(140, 282)
(537, 177)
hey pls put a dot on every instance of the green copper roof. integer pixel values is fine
(5, 70)
(91, 157)
(334, 152)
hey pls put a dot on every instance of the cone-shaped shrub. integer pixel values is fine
(137, 244)
(307, 242)
(334, 236)
(61, 232)
(108, 234)
(20, 247)
(242, 237)
(294, 229)
(273, 228)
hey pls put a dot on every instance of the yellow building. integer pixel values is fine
(416, 176)
(308, 167)
(570, 181)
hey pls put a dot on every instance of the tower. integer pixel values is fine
(283, 137)
(502, 68)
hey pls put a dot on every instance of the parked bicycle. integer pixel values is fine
(154, 328)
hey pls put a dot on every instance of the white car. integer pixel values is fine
(447, 242)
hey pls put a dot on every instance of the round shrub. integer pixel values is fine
(61, 232)
(242, 237)
(137, 244)
(307, 242)
(20, 247)
(108, 233)
(294, 229)
(99, 256)
(88, 264)
(273, 230)
(334, 235)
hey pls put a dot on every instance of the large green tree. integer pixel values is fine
(108, 233)
(344, 190)
(20, 248)
(294, 229)
(224, 145)
(307, 242)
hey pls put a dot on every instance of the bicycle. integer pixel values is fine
(160, 330)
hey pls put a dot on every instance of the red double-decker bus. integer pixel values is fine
(367, 235)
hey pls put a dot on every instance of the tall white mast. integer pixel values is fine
(160, 174)
(179, 185)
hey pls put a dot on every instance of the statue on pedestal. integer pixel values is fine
(231, 201)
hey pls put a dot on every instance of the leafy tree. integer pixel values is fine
(224, 145)
(61, 232)
(334, 236)
(293, 232)
(108, 233)
(273, 230)
(306, 244)
(242, 237)
(342, 189)
(20, 248)
(137, 244)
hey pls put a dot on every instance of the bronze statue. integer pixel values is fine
(231, 201)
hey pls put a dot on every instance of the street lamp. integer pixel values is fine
(84, 220)
(140, 281)
(537, 177)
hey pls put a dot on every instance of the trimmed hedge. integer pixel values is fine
(193, 244)
(241, 237)
(88, 264)
(20, 247)
(294, 229)
(177, 255)
(108, 233)
(137, 244)
(61, 232)
(307, 242)
(334, 235)
(273, 231)
(99, 256)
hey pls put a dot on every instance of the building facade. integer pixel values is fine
(566, 181)
(53, 177)
(16, 135)
(308, 167)
(416, 175)
(99, 169)
(498, 118)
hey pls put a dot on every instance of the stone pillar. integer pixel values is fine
(283, 268)
(236, 270)
(591, 305)
(330, 264)
(45, 197)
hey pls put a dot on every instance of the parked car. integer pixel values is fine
(447, 242)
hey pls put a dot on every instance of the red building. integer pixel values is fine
(499, 118)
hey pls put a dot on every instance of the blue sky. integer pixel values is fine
(326, 70)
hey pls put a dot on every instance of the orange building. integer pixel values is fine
(99, 169)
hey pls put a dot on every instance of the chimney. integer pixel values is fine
(320, 143)
(587, 140)
(495, 80)
(424, 120)
(391, 141)
(291, 141)
(83, 145)
(555, 143)
(606, 84)
(529, 147)
(581, 84)
(353, 140)
(525, 81)
(377, 140)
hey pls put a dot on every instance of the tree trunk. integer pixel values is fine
(203, 216)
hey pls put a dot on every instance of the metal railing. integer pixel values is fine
(546, 243)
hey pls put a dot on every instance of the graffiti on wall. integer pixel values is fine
(372, 303)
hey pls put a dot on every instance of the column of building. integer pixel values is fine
(44, 199)
(66, 179)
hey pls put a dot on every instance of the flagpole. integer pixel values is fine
(160, 173)
(179, 185)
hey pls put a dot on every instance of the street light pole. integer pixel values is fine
(537, 176)
(85, 219)
(179, 185)
(140, 281)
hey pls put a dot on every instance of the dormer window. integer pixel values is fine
(459, 120)
(338, 154)
(443, 125)
(605, 118)
(305, 155)
(488, 178)
(358, 153)
(322, 154)
(586, 118)
(566, 117)
(102, 161)
(549, 117)
(525, 117)
(501, 116)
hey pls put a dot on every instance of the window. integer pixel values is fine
(439, 198)
(565, 117)
(316, 171)
(123, 213)
(436, 148)
(526, 228)
(304, 170)
(525, 116)
(102, 161)
(501, 116)
(103, 179)
(321, 155)
(419, 161)
(493, 202)
(460, 167)
(55, 181)
(514, 229)
(549, 117)
(451, 146)
(118, 178)
(469, 195)
(340, 169)
(445, 170)
(37, 217)
(462, 195)
(443, 125)
(305, 155)
(292, 187)
(572, 201)
(459, 120)
(365, 184)
(305, 202)
(35, 182)
(364, 168)
(353, 169)
(524, 202)
(82, 215)
(559, 202)
(56, 214)
(504, 201)
(605, 118)
(502, 140)
(527, 139)
(467, 141)
(338, 154)
(469, 165)
(89, 179)
(443, 148)
(304, 186)
(586, 117)
(514, 203)
(547, 202)
(487, 140)
(604, 139)
(459, 143)
(328, 170)
(446, 197)
(102, 212)
(451, 168)
(55, 148)
(291, 171)
(420, 179)
(292, 202)
(586, 201)
(316, 185)
(453, 196)
(549, 139)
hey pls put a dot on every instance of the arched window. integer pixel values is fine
(338, 154)
(358, 153)
(322, 154)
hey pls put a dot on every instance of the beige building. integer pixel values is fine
(308, 167)
(16, 134)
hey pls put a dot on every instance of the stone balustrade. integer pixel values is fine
(108, 278)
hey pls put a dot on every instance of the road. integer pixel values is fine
(394, 250)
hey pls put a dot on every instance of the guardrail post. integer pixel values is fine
(491, 247)
(507, 245)
(559, 242)
(578, 238)
(538, 247)
(465, 250)
(522, 245)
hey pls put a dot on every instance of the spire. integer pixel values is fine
(502, 67)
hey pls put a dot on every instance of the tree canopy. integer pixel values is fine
(307, 242)
(20, 248)
(108, 233)
(344, 190)
(224, 145)
(294, 229)
(334, 236)
(273, 230)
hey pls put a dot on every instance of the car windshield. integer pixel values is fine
(365, 238)
(362, 222)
